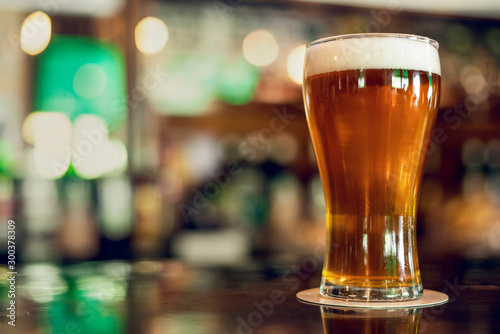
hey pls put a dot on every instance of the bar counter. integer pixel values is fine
(168, 296)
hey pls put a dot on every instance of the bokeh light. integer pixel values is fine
(50, 133)
(474, 82)
(151, 35)
(117, 157)
(49, 166)
(35, 33)
(260, 48)
(99, 287)
(238, 81)
(43, 128)
(90, 80)
(43, 282)
(295, 64)
(93, 153)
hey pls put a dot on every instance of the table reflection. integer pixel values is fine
(387, 321)
(84, 298)
(113, 297)
(167, 296)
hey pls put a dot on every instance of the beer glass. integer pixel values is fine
(371, 102)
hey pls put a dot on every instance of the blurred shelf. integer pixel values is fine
(457, 133)
(243, 120)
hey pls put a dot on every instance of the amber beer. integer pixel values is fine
(370, 118)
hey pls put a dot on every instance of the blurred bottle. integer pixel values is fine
(41, 214)
(284, 149)
(471, 222)
(473, 162)
(226, 211)
(114, 212)
(147, 233)
(78, 234)
(286, 202)
(493, 168)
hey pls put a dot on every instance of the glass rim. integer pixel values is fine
(417, 38)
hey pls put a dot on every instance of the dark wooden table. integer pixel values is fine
(168, 296)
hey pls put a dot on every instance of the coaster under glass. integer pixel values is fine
(429, 298)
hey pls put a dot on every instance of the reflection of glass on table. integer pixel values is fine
(369, 321)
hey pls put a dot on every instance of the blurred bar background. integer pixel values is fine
(140, 130)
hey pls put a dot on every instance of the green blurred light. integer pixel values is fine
(103, 288)
(193, 82)
(66, 314)
(493, 41)
(79, 75)
(238, 81)
(189, 87)
(92, 303)
(460, 39)
(7, 157)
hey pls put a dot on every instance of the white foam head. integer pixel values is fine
(375, 52)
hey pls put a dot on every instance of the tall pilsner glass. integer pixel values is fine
(371, 102)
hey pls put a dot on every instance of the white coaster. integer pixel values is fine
(429, 298)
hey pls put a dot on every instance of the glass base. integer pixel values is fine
(429, 299)
(355, 293)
